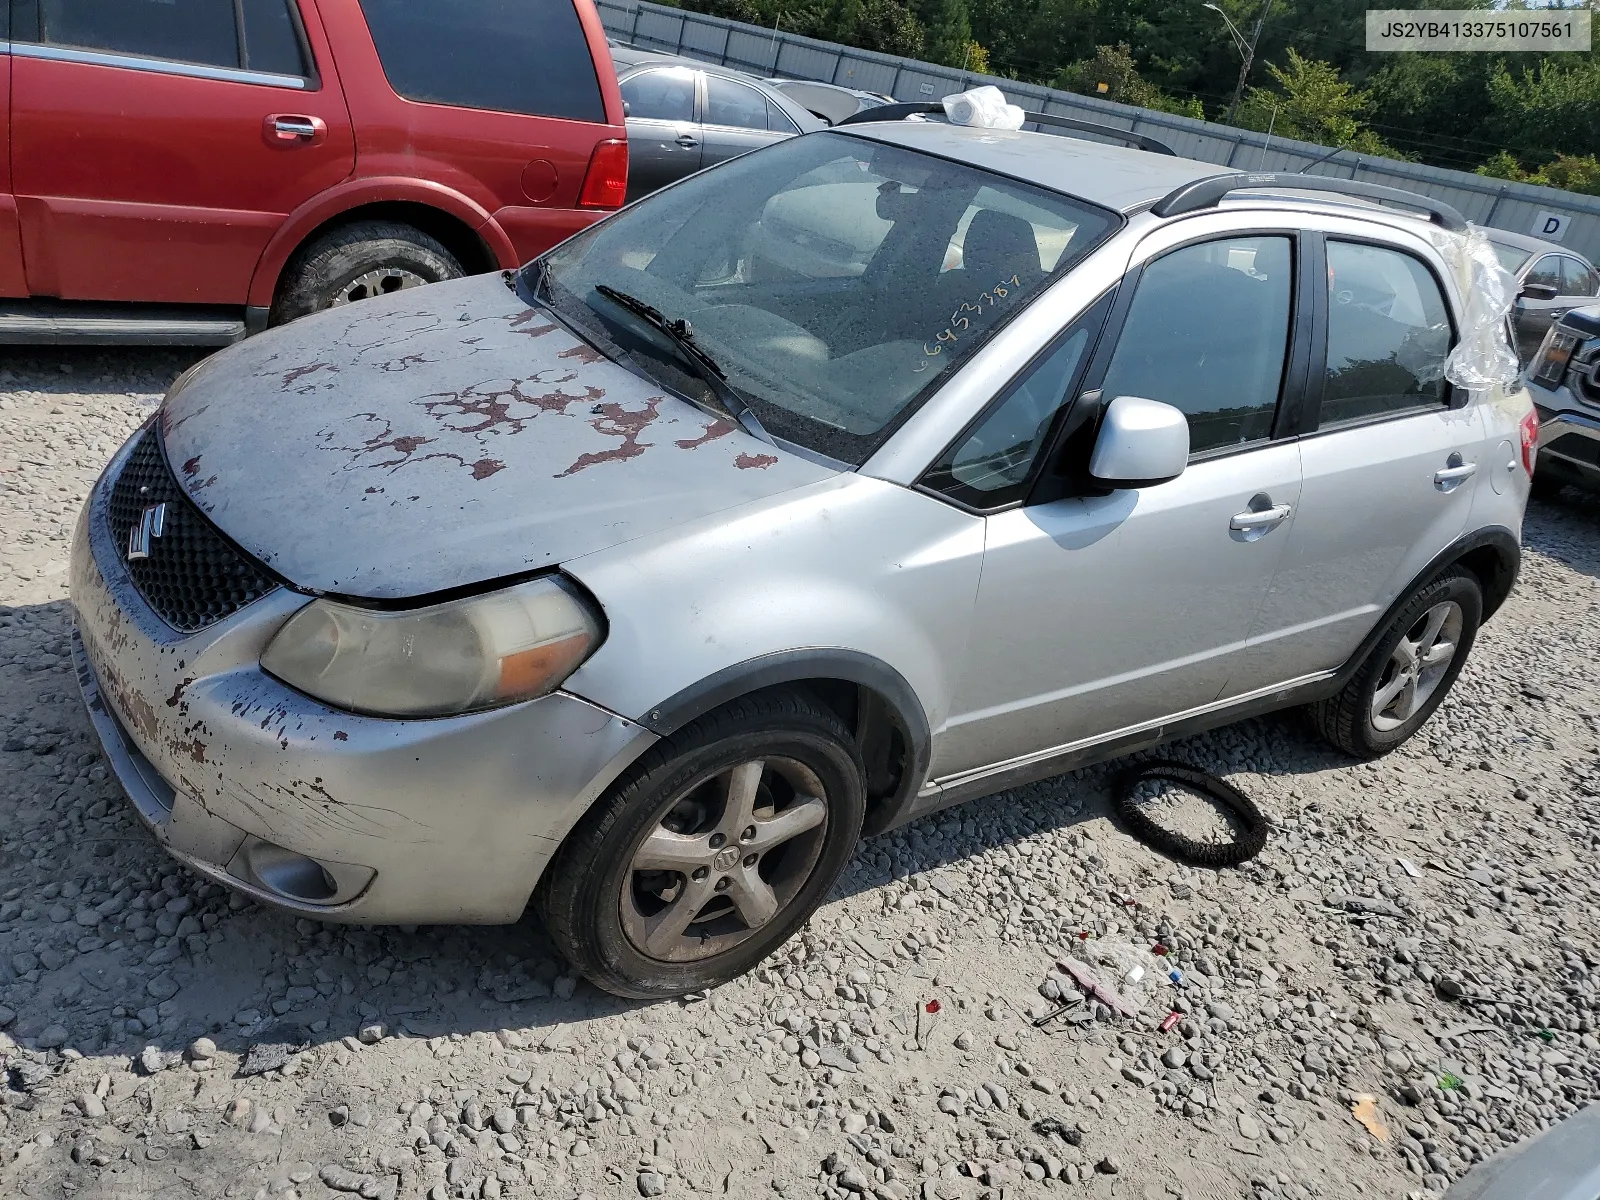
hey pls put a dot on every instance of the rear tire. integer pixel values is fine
(359, 261)
(1409, 671)
(711, 851)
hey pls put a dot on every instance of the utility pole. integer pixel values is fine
(1247, 51)
(1249, 58)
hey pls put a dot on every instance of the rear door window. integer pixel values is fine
(271, 38)
(190, 31)
(778, 120)
(519, 56)
(663, 95)
(734, 104)
(1578, 279)
(1388, 334)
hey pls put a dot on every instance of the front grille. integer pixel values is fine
(193, 576)
(1586, 379)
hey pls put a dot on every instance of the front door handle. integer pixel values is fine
(1448, 478)
(1265, 519)
(687, 142)
(293, 129)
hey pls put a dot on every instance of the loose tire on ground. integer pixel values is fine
(358, 260)
(1353, 720)
(1131, 814)
(614, 892)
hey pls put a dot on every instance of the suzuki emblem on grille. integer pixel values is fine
(151, 524)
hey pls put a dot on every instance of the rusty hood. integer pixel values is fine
(444, 436)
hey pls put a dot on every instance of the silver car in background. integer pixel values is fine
(684, 115)
(883, 468)
(1551, 280)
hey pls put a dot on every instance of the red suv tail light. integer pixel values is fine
(605, 184)
(1530, 439)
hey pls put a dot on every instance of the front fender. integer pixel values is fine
(849, 579)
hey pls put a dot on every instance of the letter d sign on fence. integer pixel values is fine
(1549, 225)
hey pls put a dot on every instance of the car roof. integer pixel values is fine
(1523, 241)
(1121, 178)
(1115, 177)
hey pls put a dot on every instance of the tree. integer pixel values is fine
(1569, 172)
(1434, 106)
(1548, 110)
(1313, 104)
(949, 32)
(1112, 69)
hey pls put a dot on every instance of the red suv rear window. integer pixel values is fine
(522, 56)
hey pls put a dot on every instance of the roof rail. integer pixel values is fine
(899, 112)
(1208, 193)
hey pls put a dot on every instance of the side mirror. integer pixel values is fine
(627, 110)
(1539, 291)
(1141, 443)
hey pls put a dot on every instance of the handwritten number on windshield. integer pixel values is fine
(960, 324)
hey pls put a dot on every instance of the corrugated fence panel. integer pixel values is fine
(706, 41)
(1501, 203)
(806, 62)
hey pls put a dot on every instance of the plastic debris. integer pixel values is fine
(1134, 975)
(932, 1006)
(1170, 1020)
(1365, 1109)
(1483, 357)
(982, 108)
(1158, 950)
(1410, 868)
(1176, 976)
(1449, 1082)
(1544, 1035)
(1083, 975)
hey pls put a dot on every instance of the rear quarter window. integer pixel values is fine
(519, 56)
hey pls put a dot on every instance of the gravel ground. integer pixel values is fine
(1421, 932)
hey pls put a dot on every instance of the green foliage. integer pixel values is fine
(1312, 103)
(1549, 109)
(1573, 173)
(1111, 74)
(1537, 115)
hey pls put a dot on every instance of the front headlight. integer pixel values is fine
(450, 658)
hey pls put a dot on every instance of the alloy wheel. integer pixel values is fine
(380, 282)
(1419, 663)
(727, 855)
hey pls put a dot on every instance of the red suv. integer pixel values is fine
(193, 170)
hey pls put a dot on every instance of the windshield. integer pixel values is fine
(1511, 257)
(833, 279)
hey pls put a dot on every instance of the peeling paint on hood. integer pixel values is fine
(443, 436)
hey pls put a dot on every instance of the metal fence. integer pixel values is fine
(1572, 219)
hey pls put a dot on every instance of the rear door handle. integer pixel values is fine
(687, 142)
(1265, 519)
(1447, 479)
(292, 129)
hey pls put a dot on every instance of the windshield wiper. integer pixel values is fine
(706, 367)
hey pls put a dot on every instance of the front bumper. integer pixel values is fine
(1569, 444)
(420, 821)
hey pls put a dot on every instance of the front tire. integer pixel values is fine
(1409, 671)
(711, 851)
(357, 262)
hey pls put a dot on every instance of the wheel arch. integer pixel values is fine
(460, 224)
(1493, 556)
(870, 696)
